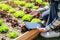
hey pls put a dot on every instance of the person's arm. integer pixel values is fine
(51, 26)
(43, 9)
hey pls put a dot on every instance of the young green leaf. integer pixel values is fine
(1, 6)
(29, 5)
(1, 21)
(19, 14)
(45, 3)
(12, 10)
(27, 17)
(35, 7)
(39, 1)
(13, 34)
(36, 20)
(4, 28)
(5, 7)
(22, 3)
(32, 0)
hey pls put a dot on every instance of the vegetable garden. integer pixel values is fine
(14, 13)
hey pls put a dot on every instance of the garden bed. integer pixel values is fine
(13, 14)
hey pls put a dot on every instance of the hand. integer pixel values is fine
(41, 29)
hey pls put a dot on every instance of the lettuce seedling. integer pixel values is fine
(1, 6)
(32, 0)
(16, 14)
(19, 14)
(1, 21)
(45, 3)
(22, 3)
(6, 7)
(27, 17)
(16, 2)
(29, 5)
(12, 10)
(13, 34)
(4, 28)
(35, 7)
(0, 29)
(39, 1)
(36, 20)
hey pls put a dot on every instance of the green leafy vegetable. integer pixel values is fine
(1, 21)
(5, 7)
(32, 0)
(39, 1)
(12, 10)
(13, 34)
(4, 28)
(22, 3)
(19, 14)
(1, 6)
(35, 7)
(45, 3)
(36, 20)
(27, 17)
(16, 2)
(29, 5)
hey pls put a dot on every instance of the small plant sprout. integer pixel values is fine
(16, 2)
(39, 1)
(19, 14)
(35, 7)
(13, 34)
(12, 10)
(22, 3)
(27, 17)
(45, 3)
(36, 20)
(29, 5)
(4, 28)
(32, 0)
(1, 21)
(1, 6)
(5, 7)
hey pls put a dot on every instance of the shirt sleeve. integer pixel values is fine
(43, 9)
